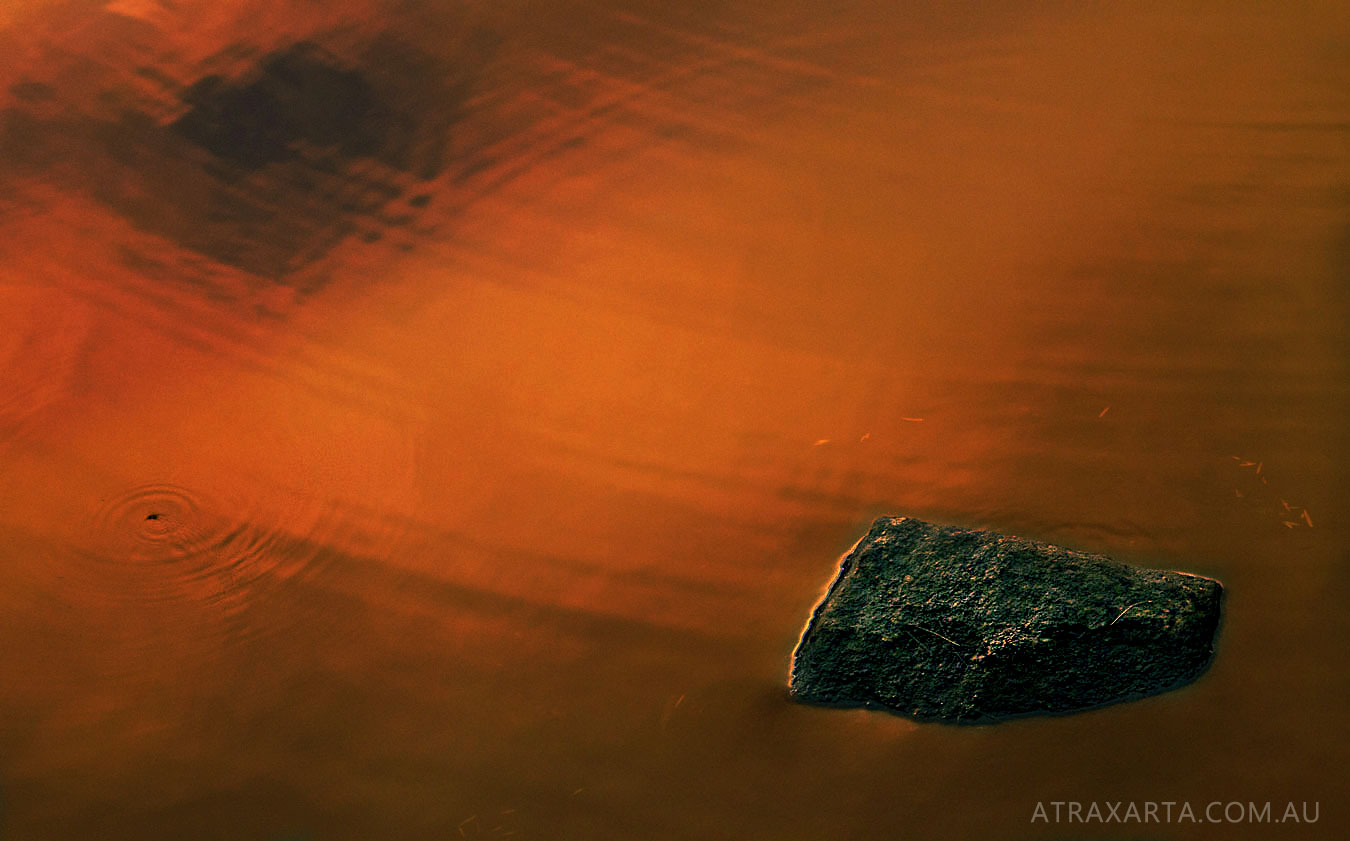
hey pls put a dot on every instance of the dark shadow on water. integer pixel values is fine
(299, 95)
(270, 164)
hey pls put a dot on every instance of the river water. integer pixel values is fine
(436, 421)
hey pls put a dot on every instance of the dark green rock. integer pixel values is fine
(966, 626)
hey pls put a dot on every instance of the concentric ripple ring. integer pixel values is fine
(166, 542)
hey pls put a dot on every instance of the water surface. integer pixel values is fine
(424, 421)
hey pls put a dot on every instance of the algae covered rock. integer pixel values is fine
(965, 626)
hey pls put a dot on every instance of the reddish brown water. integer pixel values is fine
(469, 469)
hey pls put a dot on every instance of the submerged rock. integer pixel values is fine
(964, 626)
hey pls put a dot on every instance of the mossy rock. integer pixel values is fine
(962, 625)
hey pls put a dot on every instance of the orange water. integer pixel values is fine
(497, 513)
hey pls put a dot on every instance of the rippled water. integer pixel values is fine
(436, 420)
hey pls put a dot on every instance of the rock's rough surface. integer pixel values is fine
(964, 626)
